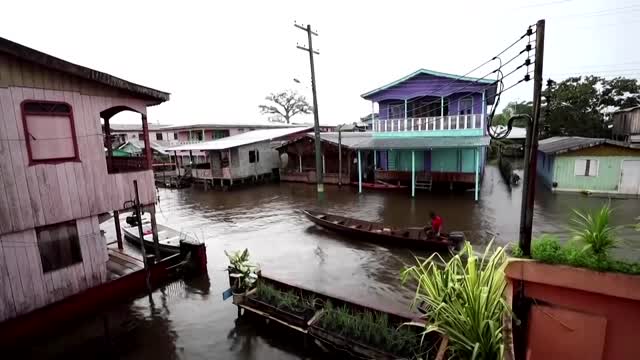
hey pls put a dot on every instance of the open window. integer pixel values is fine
(59, 246)
(586, 167)
(49, 131)
(254, 156)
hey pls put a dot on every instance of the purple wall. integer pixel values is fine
(453, 107)
(425, 84)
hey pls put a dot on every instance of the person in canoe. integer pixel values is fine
(435, 228)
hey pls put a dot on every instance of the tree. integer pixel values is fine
(287, 104)
(579, 106)
(512, 108)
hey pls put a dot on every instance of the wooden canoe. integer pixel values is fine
(169, 238)
(414, 238)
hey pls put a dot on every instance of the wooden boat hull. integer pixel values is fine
(169, 238)
(414, 238)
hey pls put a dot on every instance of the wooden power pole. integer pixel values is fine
(316, 121)
(531, 148)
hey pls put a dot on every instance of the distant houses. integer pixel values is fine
(626, 125)
(246, 157)
(577, 164)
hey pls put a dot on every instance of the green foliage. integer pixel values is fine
(594, 232)
(285, 300)
(574, 106)
(512, 108)
(371, 328)
(243, 272)
(547, 249)
(516, 251)
(464, 300)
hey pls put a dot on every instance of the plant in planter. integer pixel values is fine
(242, 274)
(369, 333)
(289, 306)
(464, 300)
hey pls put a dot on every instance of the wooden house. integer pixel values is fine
(56, 179)
(438, 121)
(626, 124)
(578, 164)
(244, 157)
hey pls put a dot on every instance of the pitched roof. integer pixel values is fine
(241, 139)
(232, 125)
(37, 57)
(427, 72)
(564, 144)
(366, 141)
(134, 127)
(140, 145)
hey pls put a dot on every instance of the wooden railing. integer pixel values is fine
(450, 122)
(127, 164)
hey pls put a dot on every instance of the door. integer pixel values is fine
(630, 178)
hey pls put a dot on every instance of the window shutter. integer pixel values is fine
(580, 167)
(593, 167)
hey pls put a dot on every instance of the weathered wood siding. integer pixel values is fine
(24, 286)
(626, 123)
(269, 160)
(37, 195)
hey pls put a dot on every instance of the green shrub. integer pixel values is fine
(284, 300)
(594, 232)
(464, 300)
(548, 249)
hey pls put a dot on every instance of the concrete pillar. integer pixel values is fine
(116, 220)
(359, 173)
(477, 156)
(413, 173)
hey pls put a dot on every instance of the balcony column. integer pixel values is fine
(373, 118)
(203, 138)
(484, 111)
(405, 115)
(359, 173)
(107, 144)
(442, 106)
(147, 144)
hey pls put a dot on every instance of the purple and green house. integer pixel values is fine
(431, 128)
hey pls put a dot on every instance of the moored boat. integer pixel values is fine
(415, 238)
(168, 237)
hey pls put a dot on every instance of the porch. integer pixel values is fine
(429, 124)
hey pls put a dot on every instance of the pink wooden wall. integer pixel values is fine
(24, 286)
(42, 194)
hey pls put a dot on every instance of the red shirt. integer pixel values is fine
(436, 224)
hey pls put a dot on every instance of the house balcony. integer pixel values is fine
(451, 125)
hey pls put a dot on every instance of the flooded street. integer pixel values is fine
(189, 319)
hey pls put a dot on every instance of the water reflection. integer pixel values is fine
(189, 319)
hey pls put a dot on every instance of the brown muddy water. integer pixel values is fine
(189, 320)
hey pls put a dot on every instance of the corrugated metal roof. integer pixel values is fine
(135, 127)
(563, 144)
(256, 125)
(366, 141)
(241, 139)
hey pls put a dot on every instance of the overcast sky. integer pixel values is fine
(218, 59)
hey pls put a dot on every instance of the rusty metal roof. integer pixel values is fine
(564, 144)
(37, 57)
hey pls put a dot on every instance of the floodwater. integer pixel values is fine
(189, 320)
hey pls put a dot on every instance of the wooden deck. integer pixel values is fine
(121, 263)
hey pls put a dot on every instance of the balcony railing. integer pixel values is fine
(127, 164)
(451, 122)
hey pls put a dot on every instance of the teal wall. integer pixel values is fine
(400, 160)
(468, 157)
(608, 173)
(444, 160)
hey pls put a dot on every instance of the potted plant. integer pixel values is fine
(464, 301)
(370, 334)
(242, 274)
(289, 306)
(580, 302)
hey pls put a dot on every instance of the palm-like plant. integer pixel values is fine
(594, 231)
(464, 301)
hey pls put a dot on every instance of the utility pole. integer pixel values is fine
(316, 121)
(531, 148)
(339, 155)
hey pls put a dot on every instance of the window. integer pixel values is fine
(235, 158)
(586, 167)
(465, 105)
(141, 136)
(254, 156)
(175, 136)
(50, 131)
(158, 136)
(396, 111)
(59, 246)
